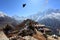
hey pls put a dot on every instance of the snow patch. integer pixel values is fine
(2, 14)
(52, 15)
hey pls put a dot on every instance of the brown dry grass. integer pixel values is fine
(39, 36)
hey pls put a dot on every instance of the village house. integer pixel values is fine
(25, 29)
(42, 28)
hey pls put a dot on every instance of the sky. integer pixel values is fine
(14, 7)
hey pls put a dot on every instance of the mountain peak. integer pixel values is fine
(2, 14)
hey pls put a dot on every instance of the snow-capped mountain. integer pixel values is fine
(4, 19)
(2, 14)
(19, 19)
(41, 15)
(52, 18)
(35, 16)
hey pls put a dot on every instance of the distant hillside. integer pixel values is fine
(50, 17)
(4, 19)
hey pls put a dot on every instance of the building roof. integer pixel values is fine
(46, 29)
(39, 25)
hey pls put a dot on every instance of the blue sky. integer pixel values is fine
(14, 7)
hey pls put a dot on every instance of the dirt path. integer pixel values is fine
(3, 36)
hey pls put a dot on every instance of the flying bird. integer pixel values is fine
(24, 5)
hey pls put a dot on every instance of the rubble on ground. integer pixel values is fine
(3, 36)
(27, 30)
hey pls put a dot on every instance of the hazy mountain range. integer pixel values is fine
(50, 17)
